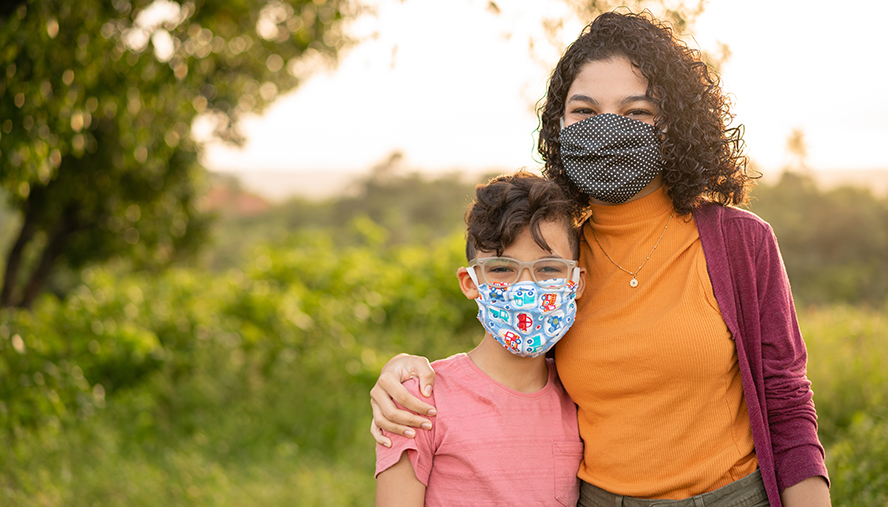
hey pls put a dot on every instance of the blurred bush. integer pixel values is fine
(191, 370)
(834, 242)
(242, 378)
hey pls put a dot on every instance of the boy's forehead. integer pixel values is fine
(555, 233)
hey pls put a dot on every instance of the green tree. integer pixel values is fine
(98, 102)
(834, 241)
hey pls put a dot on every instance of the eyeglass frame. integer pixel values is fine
(522, 265)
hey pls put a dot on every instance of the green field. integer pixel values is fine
(249, 387)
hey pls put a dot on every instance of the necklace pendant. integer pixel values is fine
(633, 283)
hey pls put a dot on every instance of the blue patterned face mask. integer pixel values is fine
(524, 317)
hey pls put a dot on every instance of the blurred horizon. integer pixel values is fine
(280, 186)
(418, 88)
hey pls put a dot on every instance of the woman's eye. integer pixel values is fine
(583, 111)
(639, 112)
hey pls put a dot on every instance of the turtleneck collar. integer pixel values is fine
(654, 204)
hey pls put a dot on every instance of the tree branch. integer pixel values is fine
(54, 247)
(14, 259)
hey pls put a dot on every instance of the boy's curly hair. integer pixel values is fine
(507, 204)
(703, 158)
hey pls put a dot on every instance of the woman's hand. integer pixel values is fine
(386, 415)
(811, 492)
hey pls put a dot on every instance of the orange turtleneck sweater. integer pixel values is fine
(653, 368)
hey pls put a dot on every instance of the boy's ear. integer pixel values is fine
(466, 284)
(581, 284)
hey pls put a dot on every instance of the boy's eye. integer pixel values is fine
(501, 266)
(551, 270)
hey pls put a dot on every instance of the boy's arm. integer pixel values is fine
(398, 486)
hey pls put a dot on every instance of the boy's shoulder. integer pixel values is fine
(448, 374)
(456, 362)
(457, 374)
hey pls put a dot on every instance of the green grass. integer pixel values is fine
(848, 368)
(295, 435)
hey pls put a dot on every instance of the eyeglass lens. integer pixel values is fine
(505, 270)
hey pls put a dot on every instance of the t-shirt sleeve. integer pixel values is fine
(420, 450)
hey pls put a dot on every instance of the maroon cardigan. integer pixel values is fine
(753, 294)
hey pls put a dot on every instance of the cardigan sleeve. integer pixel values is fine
(772, 321)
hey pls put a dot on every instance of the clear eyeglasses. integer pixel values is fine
(547, 273)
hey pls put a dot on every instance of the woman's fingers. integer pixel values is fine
(426, 379)
(399, 369)
(389, 417)
(395, 390)
(377, 434)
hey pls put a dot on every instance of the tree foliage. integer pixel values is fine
(98, 103)
(834, 242)
(408, 208)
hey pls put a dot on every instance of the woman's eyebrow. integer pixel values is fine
(637, 98)
(579, 97)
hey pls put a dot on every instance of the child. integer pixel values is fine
(507, 431)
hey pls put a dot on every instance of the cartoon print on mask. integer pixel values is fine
(549, 302)
(524, 296)
(525, 322)
(511, 340)
(523, 329)
(533, 344)
(554, 322)
(498, 292)
(496, 313)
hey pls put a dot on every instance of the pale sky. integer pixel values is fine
(452, 86)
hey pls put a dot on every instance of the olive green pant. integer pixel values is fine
(746, 492)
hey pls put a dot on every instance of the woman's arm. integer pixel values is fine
(398, 486)
(778, 357)
(792, 418)
(811, 492)
(388, 389)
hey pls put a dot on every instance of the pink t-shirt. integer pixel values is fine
(491, 445)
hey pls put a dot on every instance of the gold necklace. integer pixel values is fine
(634, 282)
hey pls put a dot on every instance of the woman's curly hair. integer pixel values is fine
(703, 158)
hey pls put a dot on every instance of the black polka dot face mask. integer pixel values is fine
(611, 157)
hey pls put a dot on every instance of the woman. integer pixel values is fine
(685, 360)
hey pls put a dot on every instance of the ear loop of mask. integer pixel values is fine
(473, 276)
